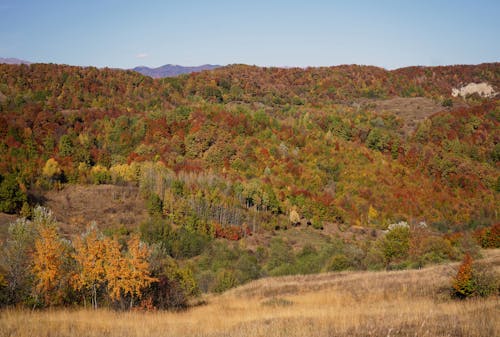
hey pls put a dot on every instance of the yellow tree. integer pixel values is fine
(127, 274)
(48, 264)
(138, 263)
(115, 268)
(90, 256)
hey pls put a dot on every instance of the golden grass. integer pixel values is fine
(403, 303)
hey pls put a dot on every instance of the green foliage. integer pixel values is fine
(187, 244)
(11, 196)
(396, 244)
(225, 279)
(447, 102)
(66, 147)
(378, 139)
(338, 262)
(280, 257)
(154, 205)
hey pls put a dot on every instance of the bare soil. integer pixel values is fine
(110, 206)
(412, 110)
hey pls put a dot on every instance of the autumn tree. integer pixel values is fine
(127, 274)
(90, 257)
(52, 171)
(48, 265)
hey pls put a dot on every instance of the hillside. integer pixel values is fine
(213, 179)
(330, 142)
(397, 303)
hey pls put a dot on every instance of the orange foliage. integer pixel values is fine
(48, 265)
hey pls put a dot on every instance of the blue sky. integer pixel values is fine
(124, 33)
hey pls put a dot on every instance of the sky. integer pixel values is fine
(124, 34)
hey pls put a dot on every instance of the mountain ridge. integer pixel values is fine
(13, 60)
(172, 70)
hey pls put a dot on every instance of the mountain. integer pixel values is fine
(11, 60)
(172, 70)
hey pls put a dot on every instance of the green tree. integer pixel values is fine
(11, 195)
(66, 147)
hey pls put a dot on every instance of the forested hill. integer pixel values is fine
(352, 145)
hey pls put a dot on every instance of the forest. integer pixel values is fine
(245, 172)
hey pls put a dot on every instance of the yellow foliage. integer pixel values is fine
(90, 257)
(48, 264)
(51, 168)
(372, 213)
(123, 172)
(127, 274)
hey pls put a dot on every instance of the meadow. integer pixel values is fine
(386, 303)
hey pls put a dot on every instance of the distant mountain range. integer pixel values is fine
(11, 60)
(167, 70)
(171, 70)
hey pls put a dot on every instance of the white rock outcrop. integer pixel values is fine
(482, 89)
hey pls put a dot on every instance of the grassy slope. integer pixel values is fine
(397, 303)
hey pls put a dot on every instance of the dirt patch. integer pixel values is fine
(110, 206)
(411, 110)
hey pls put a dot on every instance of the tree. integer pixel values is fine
(127, 274)
(52, 170)
(137, 262)
(396, 243)
(11, 195)
(66, 147)
(16, 260)
(90, 255)
(48, 265)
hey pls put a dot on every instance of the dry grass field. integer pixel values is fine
(396, 303)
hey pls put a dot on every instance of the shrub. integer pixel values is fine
(447, 102)
(462, 283)
(100, 175)
(338, 262)
(488, 237)
(474, 279)
(187, 244)
(225, 280)
(154, 205)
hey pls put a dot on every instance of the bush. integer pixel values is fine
(338, 262)
(447, 102)
(225, 280)
(188, 244)
(488, 237)
(474, 279)
(462, 283)
(154, 205)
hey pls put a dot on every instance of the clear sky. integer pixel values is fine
(121, 33)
